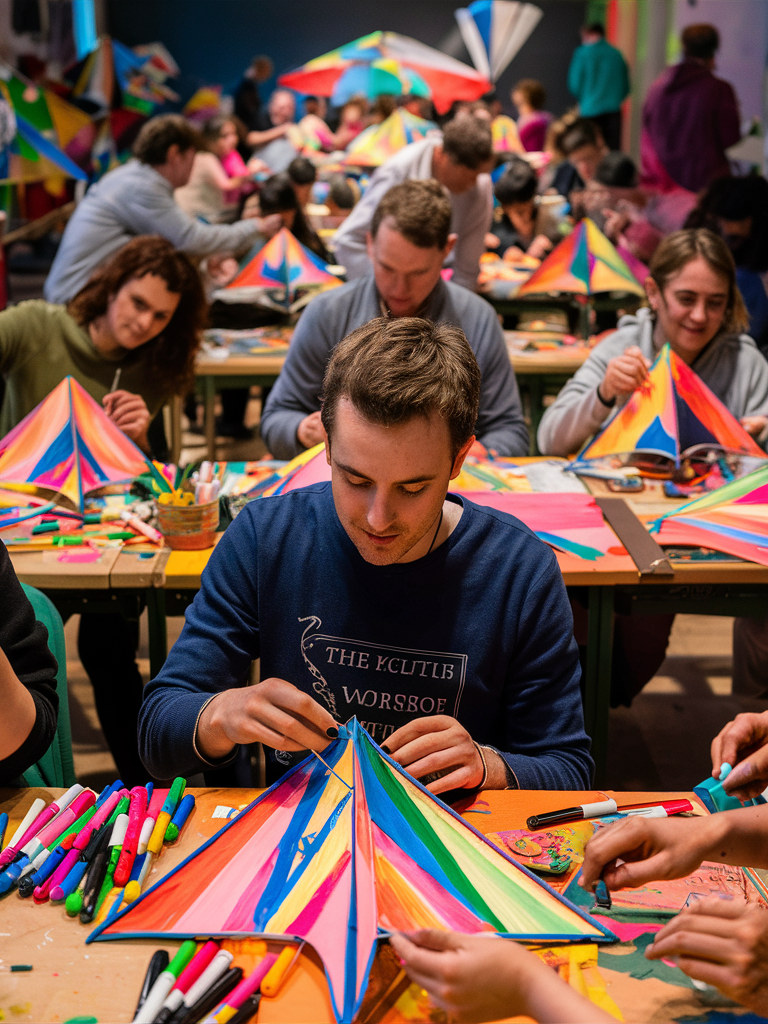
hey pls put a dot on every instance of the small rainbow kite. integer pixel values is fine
(66, 447)
(733, 519)
(584, 263)
(375, 145)
(341, 858)
(283, 267)
(671, 412)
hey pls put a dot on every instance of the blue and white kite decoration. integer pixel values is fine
(494, 32)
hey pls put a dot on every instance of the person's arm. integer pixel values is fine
(501, 426)
(155, 212)
(728, 117)
(481, 977)
(470, 244)
(639, 850)
(753, 373)
(27, 679)
(743, 744)
(544, 742)
(199, 707)
(18, 337)
(296, 393)
(261, 138)
(589, 397)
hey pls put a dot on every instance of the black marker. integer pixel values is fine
(579, 813)
(157, 965)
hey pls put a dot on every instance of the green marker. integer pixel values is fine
(46, 527)
(74, 902)
(20, 967)
(165, 982)
(74, 827)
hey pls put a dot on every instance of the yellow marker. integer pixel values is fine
(155, 843)
(280, 970)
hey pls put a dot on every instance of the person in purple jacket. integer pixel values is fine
(690, 118)
(442, 625)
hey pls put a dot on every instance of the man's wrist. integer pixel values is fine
(210, 741)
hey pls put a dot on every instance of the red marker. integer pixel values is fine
(136, 816)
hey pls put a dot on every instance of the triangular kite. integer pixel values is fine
(584, 263)
(342, 858)
(733, 519)
(66, 447)
(671, 412)
(376, 145)
(284, 265)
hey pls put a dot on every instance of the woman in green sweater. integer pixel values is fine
(141, 313)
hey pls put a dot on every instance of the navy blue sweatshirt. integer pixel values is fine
(479, 629)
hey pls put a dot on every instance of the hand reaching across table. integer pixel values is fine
(743, 744)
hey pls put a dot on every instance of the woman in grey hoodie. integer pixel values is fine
(695, 305)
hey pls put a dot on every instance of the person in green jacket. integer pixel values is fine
(141, 313)
(599, 79)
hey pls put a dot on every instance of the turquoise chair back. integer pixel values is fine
(56, 768)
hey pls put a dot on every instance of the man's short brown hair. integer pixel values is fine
(394, 369)
(702, 41)
(467, 141)
(160, 133)
(421, 211)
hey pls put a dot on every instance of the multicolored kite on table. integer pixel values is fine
(446, 78)
(505, 136)
(672, 412)
(66, 447)
(733, 519)
(284, 266)
(584, 263)
(377, 144)
(341, 858)
(494, 31)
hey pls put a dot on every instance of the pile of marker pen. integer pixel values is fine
(180, 489)
(85, 851)
(207, 483)
(200, 984)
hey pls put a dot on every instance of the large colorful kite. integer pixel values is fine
(494, 31)
(584, 263)
(282, 267)
(377, 144)
(447, 78)
(66, 447)
(733, 519)
(671, 412)
(340, 859)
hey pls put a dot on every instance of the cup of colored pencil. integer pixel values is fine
(188, 509)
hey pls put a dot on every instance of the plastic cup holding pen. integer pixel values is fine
(189, 527)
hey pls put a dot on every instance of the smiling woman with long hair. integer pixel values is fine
(141, 313)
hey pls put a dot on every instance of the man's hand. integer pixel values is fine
(539, 247)
(129, 412)
(722, 943)
(483, 978)
(222, 268)
(743, 744)
(624, 374)
(310, 431)
(437, 744)
(754, 425)
(651, 849)
(273, 712)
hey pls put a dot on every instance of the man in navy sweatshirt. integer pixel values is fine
(442, 625)
(410, 237)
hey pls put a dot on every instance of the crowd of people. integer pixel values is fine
(443, 624)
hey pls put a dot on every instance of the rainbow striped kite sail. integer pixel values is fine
(283, 266)
(505, 136)
(733, 519)
(670, 413)
(340, 859)
(66, 447)
(584, 263)
(375, 145)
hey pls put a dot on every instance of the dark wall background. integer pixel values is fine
(214, 40)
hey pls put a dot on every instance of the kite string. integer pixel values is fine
(332, 771)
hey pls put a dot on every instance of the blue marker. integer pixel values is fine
(30, 882)
(3, 827)
(70, 883)
(107, 793)
(179, 818)
(11, 875)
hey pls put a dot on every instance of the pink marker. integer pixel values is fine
(241, 992)
(60, 824)
(136, 815)
(38, 823)
(196, 965)
(85, 833)
(43, 891)
(132, 520)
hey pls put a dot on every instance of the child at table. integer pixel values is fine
(27, 680)
(219, 177)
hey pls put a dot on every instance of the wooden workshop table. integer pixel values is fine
(120, 581)
(540, 373)
(103, 979)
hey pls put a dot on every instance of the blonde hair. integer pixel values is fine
(679, 248)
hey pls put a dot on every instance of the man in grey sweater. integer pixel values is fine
(137, 199)
(731, 365)
(459, 160)
(408, 242)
